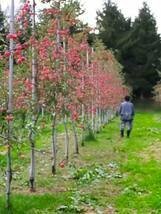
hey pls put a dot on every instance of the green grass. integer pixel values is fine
(140, 187)
(30, 204)
(111, 174)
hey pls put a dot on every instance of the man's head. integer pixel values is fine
(127, 98)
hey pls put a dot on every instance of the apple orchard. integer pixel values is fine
(49, 72)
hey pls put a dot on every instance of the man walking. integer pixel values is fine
(126, 112)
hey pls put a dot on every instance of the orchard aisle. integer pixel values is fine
(138, 188)
(111, 175)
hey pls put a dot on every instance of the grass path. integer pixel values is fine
(111, 175)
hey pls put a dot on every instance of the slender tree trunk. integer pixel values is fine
(102, 117)
(9, 177)
(53, 167)
(58, 28)
(34, 107)
(75, 138)
(93, 116)
(83, 117)
(32, 158)
(83, 125)
(10, 111)
(66, 139)
(107, 120)
(54, 139)
(97, 119)
(99, 126)
(42, 110)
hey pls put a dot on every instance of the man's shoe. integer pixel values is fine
(122, 133)
(128, 133)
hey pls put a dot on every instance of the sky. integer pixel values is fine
(129, 8)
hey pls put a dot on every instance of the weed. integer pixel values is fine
(85, 175)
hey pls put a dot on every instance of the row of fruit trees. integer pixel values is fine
(50, 69)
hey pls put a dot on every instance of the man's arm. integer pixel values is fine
(120, 109)
(133, 110)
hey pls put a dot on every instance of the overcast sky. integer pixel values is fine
(129, 8)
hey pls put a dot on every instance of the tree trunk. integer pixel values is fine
(10, 111)
(53, 145)
(75, 138)
(34, 106)
(66, 139)
(32, 163)
(83, 124)
(8, 176)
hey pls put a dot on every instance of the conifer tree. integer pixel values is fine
(140, 52)
(136, 45)
(112, 25)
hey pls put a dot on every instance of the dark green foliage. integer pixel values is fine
(141, 52)
(112, 25)
(136, 45)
